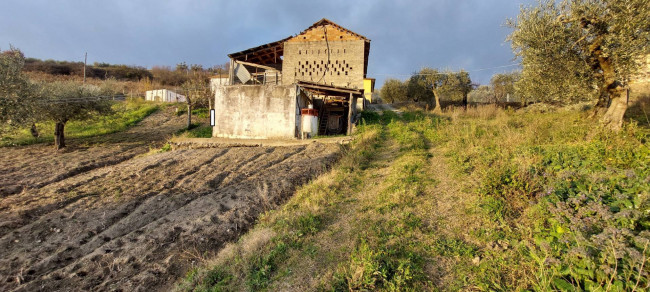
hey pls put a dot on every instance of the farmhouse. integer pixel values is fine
(301, 86)
(164, 95)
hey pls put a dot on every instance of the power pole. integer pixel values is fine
(85, 59)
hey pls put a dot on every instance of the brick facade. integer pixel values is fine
(326, 53)
(339, 63)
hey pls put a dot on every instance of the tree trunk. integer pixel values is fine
(34, 131)
(438, 108)
(59, 139)
(465, 101)
(613, 118)
(189, 116)
(612, 89)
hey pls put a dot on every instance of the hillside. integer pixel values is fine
(486, 199)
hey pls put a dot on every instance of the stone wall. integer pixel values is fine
(309, 61)
(255, 111)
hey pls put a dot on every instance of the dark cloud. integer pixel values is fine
(406, 35)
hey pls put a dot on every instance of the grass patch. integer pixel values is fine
(126, 114)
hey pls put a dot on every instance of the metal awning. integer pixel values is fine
(267, 54)
(330, 90)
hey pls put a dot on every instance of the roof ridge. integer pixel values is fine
(327, 21)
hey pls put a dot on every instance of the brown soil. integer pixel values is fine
(103, 217)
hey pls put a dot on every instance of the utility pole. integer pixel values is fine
(85, 59)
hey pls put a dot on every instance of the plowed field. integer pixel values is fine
(107, 215)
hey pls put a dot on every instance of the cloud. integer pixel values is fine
(406, 35)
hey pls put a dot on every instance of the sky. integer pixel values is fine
(405, 35)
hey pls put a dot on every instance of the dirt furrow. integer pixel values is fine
(144, 217)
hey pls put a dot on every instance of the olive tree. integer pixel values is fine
(393, 90)
(581, 50)
(62, 102)
(503, 84)
(453, 85)
(17, 93)
(197, 93)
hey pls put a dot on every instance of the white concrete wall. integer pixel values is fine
(218, 82)
(164, 95)
(255, 111)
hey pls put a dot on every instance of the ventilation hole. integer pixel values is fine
(350, 68)
(340, 36)
(346, 72)
(343, 51)
(338, 73)
(321, 61)
(337, 61)
(299, 52)
(304, 38)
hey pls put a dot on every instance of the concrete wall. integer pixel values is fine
(255, 111)
(309, 61)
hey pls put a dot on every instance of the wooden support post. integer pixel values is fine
(350, 105)
(231, 74)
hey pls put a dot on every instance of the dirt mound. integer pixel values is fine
(103, 218)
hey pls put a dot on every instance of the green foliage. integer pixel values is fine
(393, 90)
(428, 83)
(263, 266)
(577, 50)
(66, 101)
(200, 132)
(584, 200)
(503, 85)
(17, 93)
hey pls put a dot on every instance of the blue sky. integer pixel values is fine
(406, 35)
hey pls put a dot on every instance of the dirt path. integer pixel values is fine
(102, 217)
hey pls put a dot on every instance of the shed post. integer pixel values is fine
(350, 105)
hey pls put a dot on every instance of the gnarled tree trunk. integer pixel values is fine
(438, 108)
(613, 118)
(59, 139)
